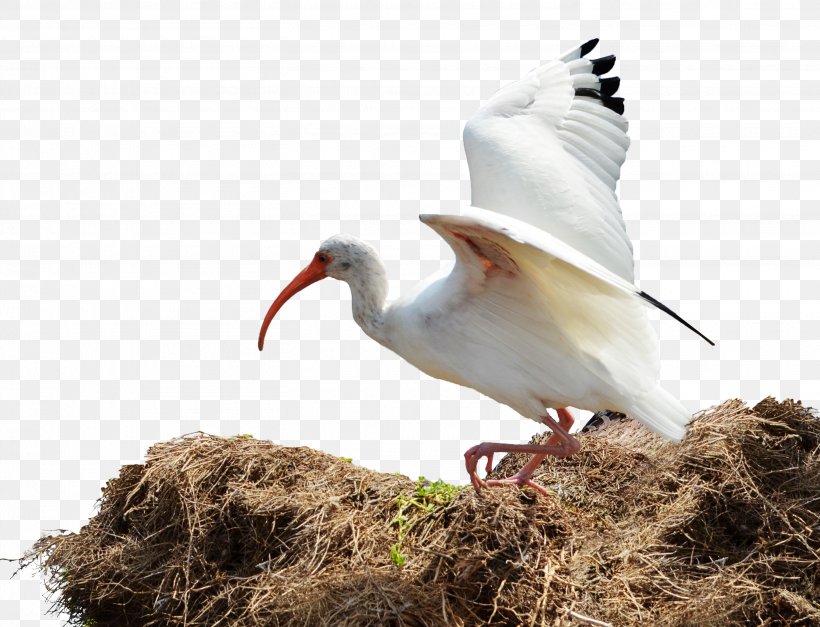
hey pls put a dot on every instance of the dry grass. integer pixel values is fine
(723, 529)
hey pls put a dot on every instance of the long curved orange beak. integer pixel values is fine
(314, 272)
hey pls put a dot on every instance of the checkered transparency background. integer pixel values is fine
(164, 169)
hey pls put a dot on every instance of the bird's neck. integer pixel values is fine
(369, 291)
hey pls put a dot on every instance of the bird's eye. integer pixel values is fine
(322, 258)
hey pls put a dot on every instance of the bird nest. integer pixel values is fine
(722, 529)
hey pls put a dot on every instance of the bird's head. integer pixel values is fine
(342, 257)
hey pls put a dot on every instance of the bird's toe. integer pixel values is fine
(471, 459)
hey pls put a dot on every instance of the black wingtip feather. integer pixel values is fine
(588, 92)
(588, 47)
(603, 65)
(668, 311)
(615, 104)
(609, 85)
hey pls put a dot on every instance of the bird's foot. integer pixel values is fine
(559, 444)
(520, 479)
(523, 477)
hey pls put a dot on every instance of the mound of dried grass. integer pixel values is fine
(722, 529)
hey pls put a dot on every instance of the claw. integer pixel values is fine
(471, 458)
(474, 479)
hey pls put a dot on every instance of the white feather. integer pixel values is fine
(556, 328)
(533, 149)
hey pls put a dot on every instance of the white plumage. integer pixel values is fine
(548, 151)
(539, 310)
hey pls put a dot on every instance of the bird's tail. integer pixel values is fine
(662, 413)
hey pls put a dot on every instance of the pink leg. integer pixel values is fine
(560, 444)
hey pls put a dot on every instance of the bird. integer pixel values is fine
(539, 310)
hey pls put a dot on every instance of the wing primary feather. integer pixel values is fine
(597, 143)
(610, 85)
(612, 103)
(666, 310)
(579, 66)
(580, 51)
(588, 46)
(603, 65)
(598, 123)
(588, 92)
(585, 80)
(596, 168)
(588, 106)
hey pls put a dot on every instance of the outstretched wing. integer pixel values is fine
(515, 247)
(505, 267)
(548, 150)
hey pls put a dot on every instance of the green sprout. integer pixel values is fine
(397, 556)
(425, 499)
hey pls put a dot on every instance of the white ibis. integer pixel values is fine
(539, 310)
